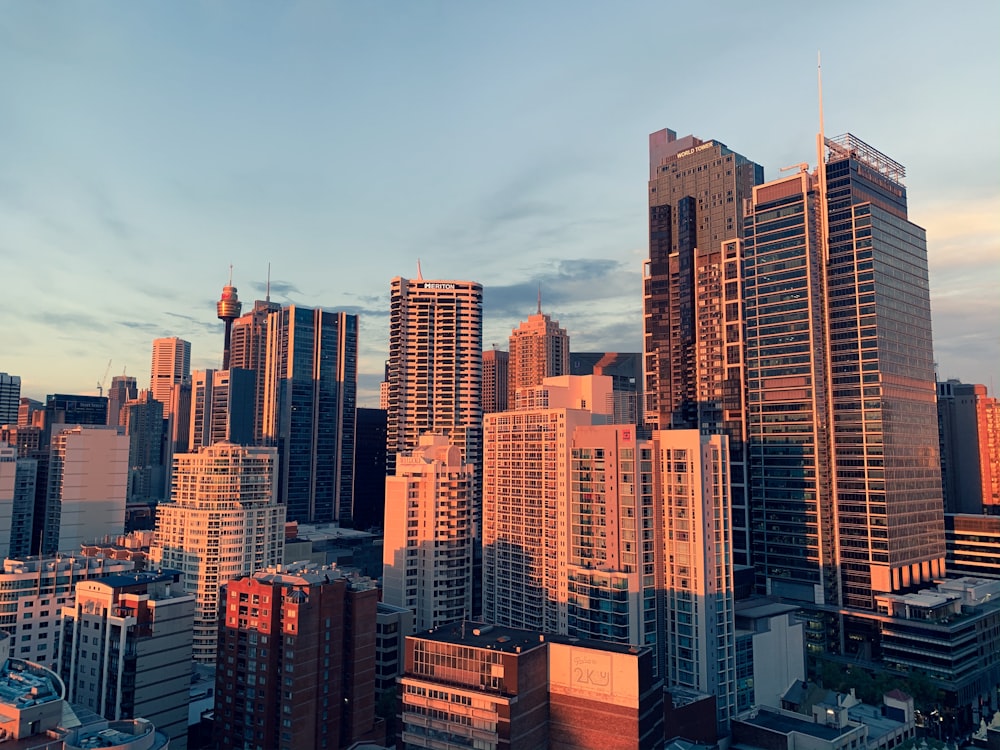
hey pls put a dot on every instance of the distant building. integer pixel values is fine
(10, 398)
(972, 544)
(31, 697)
(123, 389)
(145, 427)
(770, 652)
(87, 487)
(496, 364)
(248, 351)
(296, 660)
(392, 625)
(538, 349)
(18, 478)
(969, 433)
(126, 649)
(222, 521)
(171, 366)
(625, 370)
(428, 536)
(369, 469)
(33, 591)
(310, 402)
(778, 728)
(222, 403)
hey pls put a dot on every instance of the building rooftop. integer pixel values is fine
(23, 684)
(478, 635)
(777, 722)
(758, 607)
(144, 578)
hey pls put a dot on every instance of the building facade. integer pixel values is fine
(427, 562)
(625, 370)
(538, 349)
(692, 345)
(221, 407)
(10, 398)
(222, 521)
(248, 351)
(435, 369)
(369, 469)
(310, 398)
(171, 366)
(970, 448)
(123, 389)
(496, 379)
(126, 650)
(144, 426)
(296, 660)
(18, 477)
(844, 471)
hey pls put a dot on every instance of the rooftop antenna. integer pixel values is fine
(539, 299)
(267, 293)
(420, 275)
(230, 274)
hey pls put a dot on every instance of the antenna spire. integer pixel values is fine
(539, 299)
(230, 274)
(267, 293)
(420, 275)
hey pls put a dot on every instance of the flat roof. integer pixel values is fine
(23, 684)
(757, 607)
(786, 724)
(478, 635)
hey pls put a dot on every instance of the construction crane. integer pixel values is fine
(102, 381)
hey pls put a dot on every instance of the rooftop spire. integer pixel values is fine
(539, 299)
(420, 275)
(267, 292)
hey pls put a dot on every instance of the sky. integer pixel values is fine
(147, 147)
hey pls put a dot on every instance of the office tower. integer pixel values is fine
(972, 544)
(970, 451)
(222, 521)
(10, 395)
(495, 380)
(369, 469)
(538, 349)
(122, 390)
(693, 328)
(428, 535)
(310, 395)
(72, 409)
(228, 309)
(296, 660)
(844, 464)
(171, 365)
(144, 426)
(248, 351)
(126, 649)
(436, 369)
(625, 370)
(525, 496)
(86, 487)
(222, 403)
(17, 501)
(26, 407)
(392, 625)
(33, 591)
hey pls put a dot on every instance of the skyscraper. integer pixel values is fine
(369, 469)
(17, 501)
(495, 380)
(693, 328)
(221, 522)
(222, 403)
(144, 426)
(87, 485)
(538, 349)
(171, 366)
(310, 399)
(842, 425)
(248, 351)
(10, 395)
(123, 389)
(436, 369)
(427, 553)
(970, 449)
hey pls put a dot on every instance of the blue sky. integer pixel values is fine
(148, 146)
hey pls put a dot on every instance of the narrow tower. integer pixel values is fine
(228, 309)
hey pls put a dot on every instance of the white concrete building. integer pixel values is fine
(223, 521)
(87, 487)
(427, 551)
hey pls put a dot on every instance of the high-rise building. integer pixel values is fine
(369, 469)
(17, 501)
(10, 396)
(222, 403)
(248, 351)
(222, 521)
(311, 383)
(625, 370)
(171, 366)
(126, 650)
(525, 500)
(144, 425)
(123, 389)
(693, 327)
(296, 660)
(970, 450)
(26, 407)
(87, 485)
(538, 349)
(436, 369)
(844, 468)
(33, 591)
(427, 552)
(495, 380)
(71, 409)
